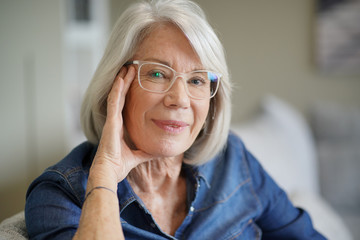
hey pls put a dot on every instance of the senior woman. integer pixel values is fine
(160, 162)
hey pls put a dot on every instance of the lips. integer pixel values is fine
(171, 126)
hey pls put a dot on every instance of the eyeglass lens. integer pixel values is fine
(159, 78)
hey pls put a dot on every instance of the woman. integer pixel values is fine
(159, 152)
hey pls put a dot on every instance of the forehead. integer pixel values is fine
(167, 43)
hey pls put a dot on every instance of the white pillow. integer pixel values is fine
(323, 216)
(281, 140)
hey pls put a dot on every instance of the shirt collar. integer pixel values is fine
(201, 173)
(126, 195)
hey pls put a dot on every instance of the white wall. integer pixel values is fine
(47, 60)
(31, 96)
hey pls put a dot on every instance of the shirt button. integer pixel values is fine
(153, 225)
(192, 209)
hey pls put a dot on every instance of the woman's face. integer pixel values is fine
(165, 124)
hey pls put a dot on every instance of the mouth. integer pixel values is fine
(171, 126)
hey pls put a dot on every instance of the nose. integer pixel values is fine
(177, 96)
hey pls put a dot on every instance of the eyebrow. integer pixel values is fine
(157, 60)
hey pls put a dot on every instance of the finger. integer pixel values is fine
(114, 97)
(122, 72)
(128, 79)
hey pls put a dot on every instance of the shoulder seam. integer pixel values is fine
(65, 177)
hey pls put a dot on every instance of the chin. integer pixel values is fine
(164, 148)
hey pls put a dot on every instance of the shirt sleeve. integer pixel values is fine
(279, 219)
(50, 212)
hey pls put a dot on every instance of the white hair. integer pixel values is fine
(132, 27)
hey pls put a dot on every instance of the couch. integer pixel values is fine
(283, 142)
(14, 228)
(336, 130)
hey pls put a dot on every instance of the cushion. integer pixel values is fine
(282, 141)
(13, 228)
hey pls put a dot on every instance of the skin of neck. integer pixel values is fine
(156, 175)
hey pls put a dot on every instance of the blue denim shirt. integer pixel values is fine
(229, 197)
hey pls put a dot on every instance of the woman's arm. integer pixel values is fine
(100, 217)
(279, 218)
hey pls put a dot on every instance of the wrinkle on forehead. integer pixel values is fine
(156, 45)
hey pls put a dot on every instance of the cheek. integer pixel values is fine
(201, 112)
(137, 105)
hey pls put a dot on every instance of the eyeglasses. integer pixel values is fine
(159, 78)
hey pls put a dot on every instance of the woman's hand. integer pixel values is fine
(114, 159)
(112, 163)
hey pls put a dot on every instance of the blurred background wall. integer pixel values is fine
(48, 56)
(31, 95)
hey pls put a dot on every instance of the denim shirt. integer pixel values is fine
(229, 197)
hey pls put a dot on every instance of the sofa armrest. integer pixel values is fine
(14, 228)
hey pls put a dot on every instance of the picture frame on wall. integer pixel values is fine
(338, 36)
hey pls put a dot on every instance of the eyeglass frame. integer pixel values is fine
(176, 75)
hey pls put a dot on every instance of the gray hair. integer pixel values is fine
(131, 28)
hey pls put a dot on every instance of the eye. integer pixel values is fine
(197, 82)
(156, 74)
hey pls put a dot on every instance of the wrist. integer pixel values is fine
(102, 176)
(90, 191)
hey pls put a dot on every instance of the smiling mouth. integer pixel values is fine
(171, 126)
